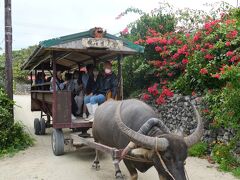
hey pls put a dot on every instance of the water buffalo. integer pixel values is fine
(133, 125)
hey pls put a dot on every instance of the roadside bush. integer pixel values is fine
(198, 150)
(12, 135)
(214, 46)
(137, 72)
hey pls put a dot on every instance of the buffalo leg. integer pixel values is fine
(96, 164)
(162, 177)
(118, 173)
(132, 170)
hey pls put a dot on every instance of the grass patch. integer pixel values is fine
(222, 154)
(236, 172)
(198, 150)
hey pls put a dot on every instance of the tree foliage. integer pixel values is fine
(19, 57)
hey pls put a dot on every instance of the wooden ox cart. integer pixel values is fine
(69, 53)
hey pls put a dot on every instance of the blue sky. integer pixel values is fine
(36, 20)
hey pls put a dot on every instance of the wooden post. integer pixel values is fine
(54, 87)
(43, 78)
(120, 79)
(31, 78)
(8, 50)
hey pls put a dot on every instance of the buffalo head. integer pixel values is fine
(167, 151)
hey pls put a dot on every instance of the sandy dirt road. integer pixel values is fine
(39, 163)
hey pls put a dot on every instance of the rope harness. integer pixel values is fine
(128, 157)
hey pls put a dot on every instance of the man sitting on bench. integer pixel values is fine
(106, 82)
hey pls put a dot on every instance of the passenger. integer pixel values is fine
(40, 78)
(78, 91)
(104, 83)
(90, 87)
(69, 86)
(88, 73)
(59, 82)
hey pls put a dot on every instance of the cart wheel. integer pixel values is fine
(58, 142)
(37, 126)
(43, 126)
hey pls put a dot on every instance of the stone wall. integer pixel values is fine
(178, 115)
(22, 89)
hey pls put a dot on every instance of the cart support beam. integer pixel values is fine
(54, 106)
(120, 78)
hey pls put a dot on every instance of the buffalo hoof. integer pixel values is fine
(119, 176)
(96, 166)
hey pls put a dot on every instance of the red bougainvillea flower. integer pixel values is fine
(170, 74)
(163, 41)
(216, 76)
(167, 92)
(172, 63)
(198, 46)
(208, 56)
(183, 49)
(170, 41)
(211, 46)
(230, 21)
(175, 56)
(208, 25)
(125, 31)
(222, 69)
(205, 111)
(153, 90)
(232, 34)
(156, 63)
(233, 59)
(229, 53)
(153, 32)
(164, 82)
(203, 71)
(179, 42)
(228, 43)
(146, 97)
(158, 49)
(197, 36)
(187, 35)
(160, 100)
(184, 61)
(152, 40)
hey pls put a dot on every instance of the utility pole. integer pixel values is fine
(8, 50)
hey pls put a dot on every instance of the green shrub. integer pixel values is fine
(236, 172)
(222, 154)
(198, 150)
(13, 137)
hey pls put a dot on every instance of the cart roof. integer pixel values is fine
(81, 48)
